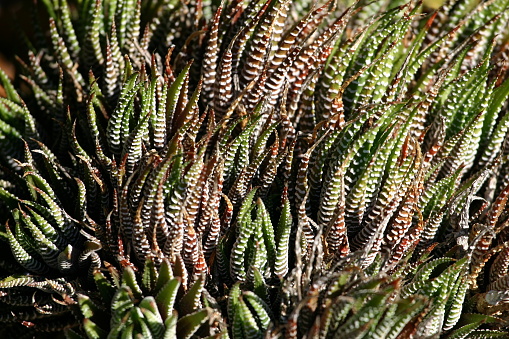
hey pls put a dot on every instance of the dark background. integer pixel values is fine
(15, 16)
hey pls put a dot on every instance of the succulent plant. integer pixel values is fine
(253, 169)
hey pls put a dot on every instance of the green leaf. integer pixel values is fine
(92, 330)
(166, 297)
(189, 324)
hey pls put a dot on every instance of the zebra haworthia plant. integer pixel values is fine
(251, 169)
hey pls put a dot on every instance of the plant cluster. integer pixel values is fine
(250, 169)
